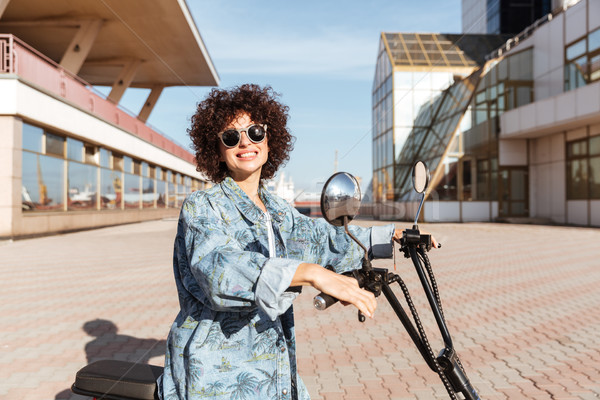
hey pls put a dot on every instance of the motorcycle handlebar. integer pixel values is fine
(323, 301)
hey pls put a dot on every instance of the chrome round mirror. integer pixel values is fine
(340, 198)
(420, 176)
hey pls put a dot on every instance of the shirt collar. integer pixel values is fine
(247, 206)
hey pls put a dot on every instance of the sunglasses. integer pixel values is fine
(255, 133)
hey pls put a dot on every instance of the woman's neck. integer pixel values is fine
(250, 185)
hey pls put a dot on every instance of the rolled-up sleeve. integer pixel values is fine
(382, 245)
(272, 295)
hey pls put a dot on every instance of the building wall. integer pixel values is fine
(23, 102)
(10, 172)
(474, 16)
(547, 189)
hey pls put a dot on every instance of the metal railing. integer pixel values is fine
(17, 57)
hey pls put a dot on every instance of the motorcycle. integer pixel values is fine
(340, 202)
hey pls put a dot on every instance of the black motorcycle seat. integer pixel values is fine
(117, 380)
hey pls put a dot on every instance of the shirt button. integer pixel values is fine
(282, 349)
(284, 392)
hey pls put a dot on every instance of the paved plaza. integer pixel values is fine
(522, 303)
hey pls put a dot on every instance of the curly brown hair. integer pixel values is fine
(220, 108)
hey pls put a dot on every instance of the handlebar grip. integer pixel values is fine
(323, 301)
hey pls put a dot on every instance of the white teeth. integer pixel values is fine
(246, 155)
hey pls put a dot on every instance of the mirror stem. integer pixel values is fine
(367, 262)
(419, 209)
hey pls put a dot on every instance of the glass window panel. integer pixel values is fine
(111, 189)
(503, 70)
(161, 193)
(55, 145)
(104, 158)
(523, 95)
(127, 164)
(172, 195)
(132, 191)
(578, 148)
(467, 187)
(483, 178)
(90, 155)
(494, 185)
(447, 187)
(576, 49)
(594, 68)
(594, 40)
(43, 183)
(148, 194)
(82, 189)
(517, 185)
(118, 162)
(595, 145)
(32, 138)
(517, 208)
(577, 179)
(137, 168)
(74, 149)
(595, 177)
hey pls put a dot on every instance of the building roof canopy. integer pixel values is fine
(436, 50)
(160, 38)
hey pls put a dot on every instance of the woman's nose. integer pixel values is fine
(244, 141)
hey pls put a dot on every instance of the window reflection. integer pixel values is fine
(74, 149)
(62, 173)
(32, 138)
(55, 145)
(111, 189)
(132, 191)
(82, 186)
(148, 194)
(42, 183)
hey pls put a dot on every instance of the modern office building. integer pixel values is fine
(503, 16)
(517, 138)
(71, 158)
(412, 71)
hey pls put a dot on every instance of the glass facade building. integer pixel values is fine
(412, 71)
(516, 139)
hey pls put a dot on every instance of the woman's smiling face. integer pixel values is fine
(247, 158)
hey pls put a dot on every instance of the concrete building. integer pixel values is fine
(517, 138)
(71, 158)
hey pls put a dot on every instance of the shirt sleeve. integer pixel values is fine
(272, 294)
(214, 268)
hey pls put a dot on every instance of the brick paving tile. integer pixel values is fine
(521, 303)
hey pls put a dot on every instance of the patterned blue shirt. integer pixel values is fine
(234, 335)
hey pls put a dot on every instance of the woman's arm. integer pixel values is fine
(341, 287)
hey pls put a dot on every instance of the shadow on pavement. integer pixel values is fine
(109, 344)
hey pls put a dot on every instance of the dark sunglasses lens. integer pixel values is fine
(256, 133)
(230, 138)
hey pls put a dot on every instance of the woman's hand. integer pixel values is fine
(342, 287)
(398, 236)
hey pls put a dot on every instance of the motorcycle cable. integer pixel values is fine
(423, 336)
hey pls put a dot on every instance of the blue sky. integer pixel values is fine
(319, 55)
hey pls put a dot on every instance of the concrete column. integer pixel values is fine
(150, 103)
(10, 175)
(80, 46)
(123, 81)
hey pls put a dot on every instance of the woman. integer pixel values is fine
(241, 255)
